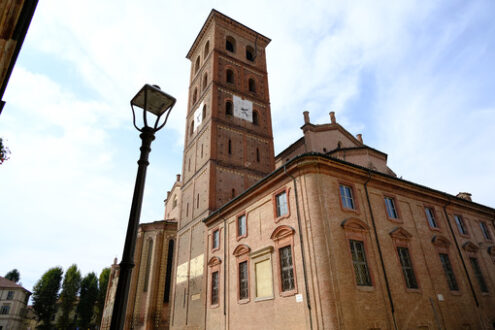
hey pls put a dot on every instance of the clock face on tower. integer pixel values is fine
(243, 108)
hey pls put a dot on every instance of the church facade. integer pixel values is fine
(322, 236)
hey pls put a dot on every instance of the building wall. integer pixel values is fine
(16, 302)
(337, 302)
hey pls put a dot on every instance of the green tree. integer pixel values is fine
(45, 295)
(87, 300)
(13, 275)
(102, 293)
(68, 296)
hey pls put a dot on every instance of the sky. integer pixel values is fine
(414, 77)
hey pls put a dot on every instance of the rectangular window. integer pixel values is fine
(243, 280)
(486, 232)
(216, 239)
(478, 274)
(263, 271)
(286, 269)
(460, 224)
(10, 295)
(449, 273)
(241, 225)
(5, 309)
(391, 210)
(214, 288)
(281, 201)
(346, 197)
(430, 215)
(361, 271)
(407, 269)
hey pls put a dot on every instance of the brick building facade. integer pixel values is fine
(322, 236)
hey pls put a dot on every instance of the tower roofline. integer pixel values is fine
(216, 13)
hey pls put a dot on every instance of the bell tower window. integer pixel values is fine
(250, 53)
(230, 76)
(230, 44)
(228, 108)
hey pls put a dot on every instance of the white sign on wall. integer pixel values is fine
(243, 109)
(198, 116)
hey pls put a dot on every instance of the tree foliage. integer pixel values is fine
(4, 152)
(13, 275)
(102, 293)
(45, 295)
(68, 296)
(87, 300)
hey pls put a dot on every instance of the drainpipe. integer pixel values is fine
(459, 251)
(392, 309)
(308, 303)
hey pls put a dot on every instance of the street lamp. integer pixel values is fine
(150, 99)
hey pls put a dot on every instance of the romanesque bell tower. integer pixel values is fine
(228, 145)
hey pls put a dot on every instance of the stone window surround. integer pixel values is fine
(351, 185)
(241, 252)
(283, 236)
(442, 245)
(219, 230)
(402, 238)
(488, 236)
(214, 266)
(464, 222)
(274, 203)
(435, 217)
(356, 229)
(396, 207)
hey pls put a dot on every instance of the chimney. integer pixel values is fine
(306, 117)
(465, 195)
(178, 177)
(332, 117)
(360, 138)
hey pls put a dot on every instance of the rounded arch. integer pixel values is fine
(241, 249)
(205, 80)
(196, 67)
(204, 112)
(214, 261)
(228, 108)
(355, 224)
(250, 53)
(440, 241)
(282, 232)
(195, 95)
(207, 48)
(230, 44)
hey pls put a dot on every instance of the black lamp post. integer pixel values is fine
(149, 99)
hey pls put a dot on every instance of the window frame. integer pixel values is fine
(401, 239)
(485, 231)
(252, 85)
(478, 273)
(238, 217)
(395, 206)
(354, 197)
(229, 76)
(442, 245)
(435, 218)
(241, 253)
(10, 295)
(463, 225)
(250, 51)
(214, 267)
(5, 309)
(229, 111)
(232, 41)
(278, 192)
(450, 271)
(365, 262)
(256, 257)
(215, 230)
(283, 236)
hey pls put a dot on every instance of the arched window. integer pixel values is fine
(258, 155)
(230, 44)
(205, 80)
(228, 108)
(187, 210)
(197, 65)
(197, 201)
(230, 76)
(252, 85)
(233, 192)
(191, 128)
(195, 95)
(168, 273)
(250, 53)
(230, 147)
(148, 265)
(255, 117)
(204, 112)
(339, 145)
(207, 48)
(201, 151)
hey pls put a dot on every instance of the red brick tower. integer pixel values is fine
(228, 145)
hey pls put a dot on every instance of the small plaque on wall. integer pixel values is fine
(196, 296)
(299, 298)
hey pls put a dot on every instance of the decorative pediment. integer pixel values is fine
(281, 232)
(214, 261)
(440, 241)
(400, 233)
(354, 224)
(491, 250)
(241, 249)
(470, 247)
